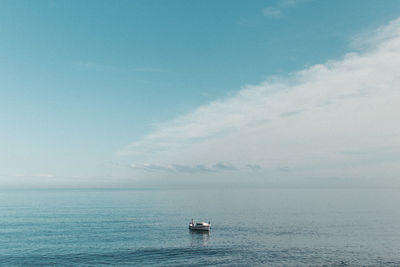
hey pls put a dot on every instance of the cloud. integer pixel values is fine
(384, 34)
(199, 168)
(276, 11)
(147, 69)
(35, 175)
(224, 166)
(254, 167)
(284, 169)
(99, 67)
(288, 3)
(192, 169)
(151, 167)
(304, 120)
(271, 12)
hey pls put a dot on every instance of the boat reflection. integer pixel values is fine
(199, 238)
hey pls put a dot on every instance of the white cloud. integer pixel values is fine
(288, 3)
(94, 66)
(36, 175)
(199, 168)
(335, 119)
(276, 11)
(271, 12)
(385, 33)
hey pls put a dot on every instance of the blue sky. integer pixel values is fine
(83, 83)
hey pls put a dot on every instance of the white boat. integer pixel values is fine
(199, 226)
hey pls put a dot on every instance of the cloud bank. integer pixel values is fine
(340, 118)
(220, 166)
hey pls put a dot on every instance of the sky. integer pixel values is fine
(145, 94)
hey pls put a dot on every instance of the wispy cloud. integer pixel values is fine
(254, 167)
(271, 12)
(284, 169)
(152, 167)
(95, 66)
(35, 175)
(199, 168)
(276, 11)
(305, 120)
(147, 69)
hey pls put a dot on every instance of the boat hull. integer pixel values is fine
(199, 227)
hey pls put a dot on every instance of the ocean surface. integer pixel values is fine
(250, 227)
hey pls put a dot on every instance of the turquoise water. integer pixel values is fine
(278, 227)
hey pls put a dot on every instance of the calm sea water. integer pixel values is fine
(277, 227)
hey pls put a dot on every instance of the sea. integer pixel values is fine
(249, 227)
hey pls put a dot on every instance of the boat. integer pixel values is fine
(199, 226)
